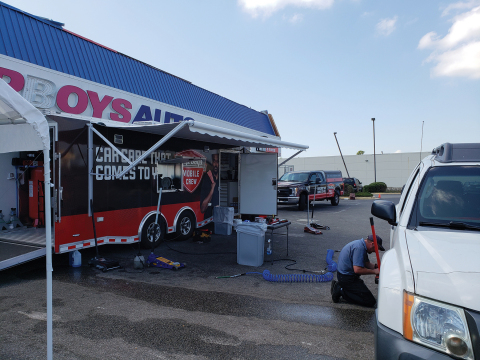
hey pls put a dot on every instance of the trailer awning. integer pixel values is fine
(189, 130)
(22, 126)
(194, 130)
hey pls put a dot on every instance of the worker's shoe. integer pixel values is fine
(332, 286)
(336, 291)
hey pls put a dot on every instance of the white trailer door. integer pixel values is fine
(258, 184)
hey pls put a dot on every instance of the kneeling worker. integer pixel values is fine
(353, 262)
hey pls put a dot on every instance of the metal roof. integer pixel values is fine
(45, 43)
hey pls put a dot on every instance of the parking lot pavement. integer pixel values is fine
(190, 313)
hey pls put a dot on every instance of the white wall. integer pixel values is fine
(8, 198)
(392, 169)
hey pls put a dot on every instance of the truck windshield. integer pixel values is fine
(301, 177)
(449, 195)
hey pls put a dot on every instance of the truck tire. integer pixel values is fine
(335, 199)
(302, 202)
(153, 232)
(185, 226)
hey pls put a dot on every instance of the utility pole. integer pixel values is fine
(335, 134)
(374, 159)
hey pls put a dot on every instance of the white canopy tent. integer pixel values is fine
(24, 128)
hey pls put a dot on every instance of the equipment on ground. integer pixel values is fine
(161, 262)
(100, 262)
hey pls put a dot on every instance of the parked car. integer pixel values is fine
(353, 182)
(298, 186)
(429, 289)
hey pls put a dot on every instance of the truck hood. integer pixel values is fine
(289, 183)
(445, 265)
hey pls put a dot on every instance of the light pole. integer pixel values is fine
(335, 134)
(374, 159)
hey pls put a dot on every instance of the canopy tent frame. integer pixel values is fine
(15, 113)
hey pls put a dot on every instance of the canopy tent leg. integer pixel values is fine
(48, 244)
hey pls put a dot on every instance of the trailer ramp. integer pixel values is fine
(18, 246)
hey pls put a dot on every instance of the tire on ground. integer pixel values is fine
(335, 200)
(302, 202)
(152, 231)
(185, 225)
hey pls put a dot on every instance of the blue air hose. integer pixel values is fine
(332, 265)
(290, 278)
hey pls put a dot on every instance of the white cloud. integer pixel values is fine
(296, 18)
(458, 52)
(266, 8)
(460, 6)
(386, 26)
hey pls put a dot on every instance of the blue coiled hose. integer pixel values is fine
(332, 265)
(297, 277)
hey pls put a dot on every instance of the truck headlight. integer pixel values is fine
(294, 191)
(437, 325)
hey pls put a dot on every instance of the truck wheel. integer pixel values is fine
(302, 202)
(336, 199)
(185, 226)
(153, 232)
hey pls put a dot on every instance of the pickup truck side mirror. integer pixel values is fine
(317, 181)
(385, 210)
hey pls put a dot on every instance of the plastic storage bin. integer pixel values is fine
(250, 243)
(223, 229)
(223, 220)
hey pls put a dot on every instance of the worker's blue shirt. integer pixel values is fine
(354, 253)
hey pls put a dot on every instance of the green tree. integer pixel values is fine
(360, 152)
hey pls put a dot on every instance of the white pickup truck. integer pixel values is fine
(429, 288)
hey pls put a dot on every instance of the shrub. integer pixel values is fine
(375, 187)
(347, 190)
(363, 194)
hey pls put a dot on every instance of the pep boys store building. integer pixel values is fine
(116, 125)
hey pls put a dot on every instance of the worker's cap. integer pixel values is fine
(379, 242)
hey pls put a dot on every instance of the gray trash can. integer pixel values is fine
(223, 220)
(250, 243)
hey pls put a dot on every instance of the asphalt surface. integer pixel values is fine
(190, 313)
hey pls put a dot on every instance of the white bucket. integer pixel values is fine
(75, 259)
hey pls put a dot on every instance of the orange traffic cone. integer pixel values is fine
(379, 196)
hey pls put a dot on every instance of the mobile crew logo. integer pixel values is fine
(192, 170)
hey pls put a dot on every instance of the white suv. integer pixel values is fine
(429, 288)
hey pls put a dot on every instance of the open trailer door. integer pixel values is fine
(258, 184)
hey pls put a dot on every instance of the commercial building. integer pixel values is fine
(392, 169)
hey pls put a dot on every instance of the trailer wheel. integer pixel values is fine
(185, 226)
(302, 202)
(152, 231)
(336, 199)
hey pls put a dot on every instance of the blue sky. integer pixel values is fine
(318, 66)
